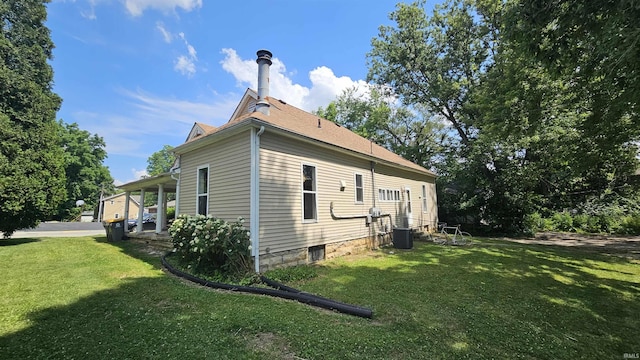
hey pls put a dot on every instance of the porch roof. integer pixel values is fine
(151, 184)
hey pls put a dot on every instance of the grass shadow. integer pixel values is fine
(14, 242)
(143, 318)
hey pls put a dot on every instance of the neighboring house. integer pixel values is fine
(307, 188)
(86, 216)
(153, 209)
(113, 207)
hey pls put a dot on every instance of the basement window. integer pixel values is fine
(316, 253)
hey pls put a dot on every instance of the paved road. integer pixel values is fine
(61, 229)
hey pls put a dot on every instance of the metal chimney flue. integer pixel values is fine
(264, 62)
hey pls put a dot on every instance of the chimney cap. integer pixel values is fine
(264, 55)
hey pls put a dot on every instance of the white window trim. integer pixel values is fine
(198, 187)
(303, 191)
(425, 204)
(394, 195)
(355, 189)
(409, 203)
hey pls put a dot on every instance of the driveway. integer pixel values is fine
(61, 229)
(628, 246)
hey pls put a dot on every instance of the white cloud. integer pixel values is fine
(139, 128)
(136, 175)
(166, 35)
(89, 14)
(186, 64)
(325, 85)
(137, 7)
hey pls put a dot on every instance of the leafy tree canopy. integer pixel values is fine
(158, 163)
(374, 113)
(524, 133)
(31, 162)
(592, 45)
(86, 174)
(161, 161)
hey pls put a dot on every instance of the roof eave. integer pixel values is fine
(213, 137)
(148, 183)
(295, 135)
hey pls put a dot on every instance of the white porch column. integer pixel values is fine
(140, 212)
(127, 197)
(160, 214)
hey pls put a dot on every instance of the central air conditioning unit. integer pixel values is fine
(375, 212)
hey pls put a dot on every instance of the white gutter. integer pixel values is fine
(254, 210)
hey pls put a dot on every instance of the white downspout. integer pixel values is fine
(254, 210)
(175, 175)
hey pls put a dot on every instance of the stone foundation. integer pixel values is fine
(332, 250)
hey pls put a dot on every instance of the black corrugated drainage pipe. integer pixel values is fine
(285, 293)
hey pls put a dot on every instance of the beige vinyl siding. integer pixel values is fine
(281, 218)
(229, 178)
(391, 178)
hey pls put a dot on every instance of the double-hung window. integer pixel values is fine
(359, 189)
(309, 193)
(202, 202)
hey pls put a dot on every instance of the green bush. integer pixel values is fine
(581, 222)
(562, 221)
(171, 213)
(630, 225)
(593, 225)
(211, 246)
(536, 222)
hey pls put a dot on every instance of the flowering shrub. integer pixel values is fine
(208, 245)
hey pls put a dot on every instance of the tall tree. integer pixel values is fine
(161, 161)
(376, 115)
(31, 162)
(527, 135)
(594, 46)
(86, 174)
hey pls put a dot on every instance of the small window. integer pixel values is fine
(424, 198)
(116, 216)
(111, 202)
(316, 253)
(309, 193)
(203, 191)
(359, 189)
(389, 195)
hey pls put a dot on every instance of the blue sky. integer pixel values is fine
(139, 73)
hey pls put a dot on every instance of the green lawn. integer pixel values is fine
(84, 298)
